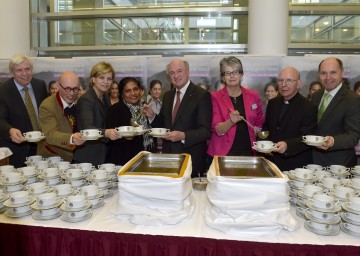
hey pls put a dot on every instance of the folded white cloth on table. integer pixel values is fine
(257, 206)
(5, 152)
(154, 200)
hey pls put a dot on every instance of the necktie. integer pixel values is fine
(176, 107)
(30, 109)
(323, 105)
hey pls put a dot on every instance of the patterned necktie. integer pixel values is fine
(323, 105)
(176, 107)
(31, 111)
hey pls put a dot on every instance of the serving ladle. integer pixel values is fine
(134, 122)
(261, 134)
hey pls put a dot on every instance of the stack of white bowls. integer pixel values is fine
(51, 176)
(46, 206)
(10, 179)
(76, 208)
(75, 177)
(102, 180)
(19, 204)
(351, 216)
(94, 195)
(30, 173)
(3, 197)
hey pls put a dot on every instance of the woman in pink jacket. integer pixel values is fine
(230, 134)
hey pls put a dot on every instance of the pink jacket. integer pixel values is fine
(221, 102)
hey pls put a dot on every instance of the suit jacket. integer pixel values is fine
(299, 120)
(341, 120)
(221, 102)
(122, 150)
(56, 128)
(91, 114)
(13, 114)
(193, 118)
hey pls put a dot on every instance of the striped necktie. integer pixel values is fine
(30, 109)
(323, 105)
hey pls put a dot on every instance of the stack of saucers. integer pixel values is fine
(322, 216)
(351, 217)
(303, 194)
(12, 181)
(102, 180)
(76, 208)
(46, 207)
(3, 197)
(94, 195)
(75, 177)
(51, 176)
(30, 173)
(19, 204)
(65, 190)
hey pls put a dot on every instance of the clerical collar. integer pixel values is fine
(286, 101)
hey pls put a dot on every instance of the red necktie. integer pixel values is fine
(176, 107)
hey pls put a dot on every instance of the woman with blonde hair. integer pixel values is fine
(92, 108)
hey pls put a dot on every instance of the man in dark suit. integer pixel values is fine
(189, 120)
(14, 117)
(340, 122)
(287, 119)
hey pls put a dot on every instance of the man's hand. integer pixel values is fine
(16, 135)
(174, 136)
(280, 147)
(78, 139)
(329, 142)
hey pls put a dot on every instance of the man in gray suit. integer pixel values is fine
(14, 116)
(338, 116)
(187, 112)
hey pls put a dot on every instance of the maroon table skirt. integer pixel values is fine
(31, 240)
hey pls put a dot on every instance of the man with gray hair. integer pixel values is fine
(20, 98)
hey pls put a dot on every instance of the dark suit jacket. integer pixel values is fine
(341, 120)
(194, 118)
(299, 120)
(91, 114)
(13, 114)
(122, 150)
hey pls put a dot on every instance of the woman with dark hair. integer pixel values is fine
(114, 93)
(314, 87)
(120, 114)
(270, 91)
(154, 95)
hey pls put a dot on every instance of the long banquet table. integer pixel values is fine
(103, 234)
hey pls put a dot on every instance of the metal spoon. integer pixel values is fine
(261, 134)
(134, 122)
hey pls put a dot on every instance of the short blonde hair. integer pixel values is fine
(18, 59)
(100, 69)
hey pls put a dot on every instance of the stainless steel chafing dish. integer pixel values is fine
(170, 165)
(245, 167)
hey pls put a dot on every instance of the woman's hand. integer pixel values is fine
(112, 134)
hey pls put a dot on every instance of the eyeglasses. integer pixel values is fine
(68, 89)
(287, 81)
(234, 73)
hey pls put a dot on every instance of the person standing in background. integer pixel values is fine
(338, 116)
(20, 98)
(53, 87)
(57, 115)
(270, 91)
(314, 87)
(91, 111)
(114, 93)
(187, 112)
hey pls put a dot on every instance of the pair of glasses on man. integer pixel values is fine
(68, 89)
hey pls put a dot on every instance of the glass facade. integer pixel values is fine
(124, 27)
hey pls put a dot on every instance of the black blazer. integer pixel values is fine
(13, 114)
(91, 114)
(341, 120)
(193, 117)
(299, 120)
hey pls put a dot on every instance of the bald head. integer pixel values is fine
(69, 85)
(289, 82)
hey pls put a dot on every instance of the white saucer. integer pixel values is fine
(85, 217)
(342, 214)
(262, 150)
(36, 206)
(126, 134)
(35, 140)
(48, 178)
(300, 214)
(96, 137)
(315, 144)
(37, 216)
(301, 194)
(156, 135)
(99, 194)
(336, 207)
(72, 193)
(23, 180)
(142, 132)
(293, 177)
(346, 207)
(98, 205)
(348, 231)
(8, 203)
(6, 197)
(341, 199)
(64, 177)
(3, 209)
(89, 178)
(9, 212)
(107, 195)
(333, 221)
(67, 209)
(334, 232)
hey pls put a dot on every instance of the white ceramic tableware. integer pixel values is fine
(74, 173)
(50, 172)
(323, 201)
(125, 129)
(63, 189)
(11, 177)
(315, 167)
(33, 135)
(90, 190)
(314, 139)
(19, 197)
(76, 201)
(76, 183)
(159, 131)
(320, 175)
(352, 216)
(6, 169)
(90, 132)
(76, 215)
(320, 226)
(49, 212)
(303, 173)
(86, 167)
(21, 209)
(99, 174)
(41, 164)
(352, 227)
(322, 215)
(330, 183)
(102, 184)
(343, 192)
(27, 171)
(264, 144)
(355, 183)
(47, 199)
(354, 203)
(110, 168)
(37, 188)
(33, 159)
(338, 169)
(309, 190)
(53, 181)
(53, 160)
